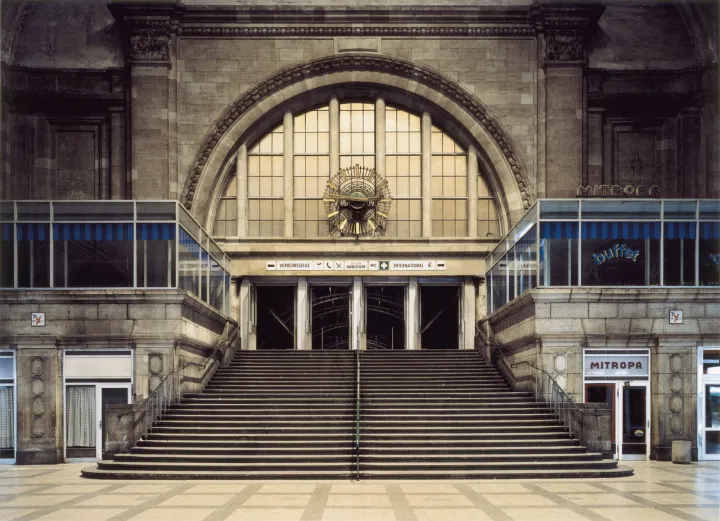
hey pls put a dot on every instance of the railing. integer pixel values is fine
(357, 415)
(169, 391)
(547, 390)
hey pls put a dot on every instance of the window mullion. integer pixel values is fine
(334, 136)
(288, 172)
(426, 132)
(241, 191)
(472, 192)
(380, 136)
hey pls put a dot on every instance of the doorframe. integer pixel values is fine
(704, 380)
(97, 382)
(344, 282)
(446, 282)
(390, 280)
(618, 431)
(13, 355)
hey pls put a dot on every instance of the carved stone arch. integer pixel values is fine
(508, 173)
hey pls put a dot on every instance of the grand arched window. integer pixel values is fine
(437, 187)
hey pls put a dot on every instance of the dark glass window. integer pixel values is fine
(33, 245)
(98, 255)
(679, 247)
(709, 253)
(216, 285)
(190, 267)
(558, 253)
(7, 257)
(156, 255)
(620, 254)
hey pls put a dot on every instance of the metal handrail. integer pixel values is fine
(357, 415)
(547, 389)
(169, 391)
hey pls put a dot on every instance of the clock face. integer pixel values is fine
(357, 201)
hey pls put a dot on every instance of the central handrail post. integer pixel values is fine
(357, 414)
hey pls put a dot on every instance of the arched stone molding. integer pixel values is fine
(507, 171)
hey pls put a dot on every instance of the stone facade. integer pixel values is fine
(154, 100)
(551, 327)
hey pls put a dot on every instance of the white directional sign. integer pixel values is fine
(356, 265)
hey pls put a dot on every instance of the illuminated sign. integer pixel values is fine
(618, 191)
(619, 251)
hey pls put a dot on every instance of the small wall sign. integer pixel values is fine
(616, 365)
(676, 316)
(37, 319)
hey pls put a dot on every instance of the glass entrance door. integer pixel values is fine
(709, 403)
(330, 317)
(385, 317)
(85, 406)
(634, 421)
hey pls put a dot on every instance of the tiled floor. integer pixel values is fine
(657, 492)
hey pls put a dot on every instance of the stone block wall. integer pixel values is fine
(166, 329)
(553, 326)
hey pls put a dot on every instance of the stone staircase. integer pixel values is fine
(291, 414)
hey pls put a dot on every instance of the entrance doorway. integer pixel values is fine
(330, 316)
(440, 317)
(709, 403)
(385, 317)
(629, 406)
(274, 314)
(85, 406)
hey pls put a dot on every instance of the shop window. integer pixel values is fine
(98, 255)
(679, 251)
(155, 255)
(558, 253)
(620, 254)
(709, 253)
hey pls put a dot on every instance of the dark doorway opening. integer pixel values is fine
(440, 317)
(330, 317)
(385, 312)
(275, 317)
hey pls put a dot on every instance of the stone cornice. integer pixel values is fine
(320, 31)
(358, 62)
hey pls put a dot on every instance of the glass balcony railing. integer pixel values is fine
(110, 244)
(607, 243)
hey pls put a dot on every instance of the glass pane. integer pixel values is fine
(712, 406)
(155, 211)
(559, 209)
(7, 211)
(7, 364)
(81, 420)
(619, 210)
(7, 421)
(711, 361)
(712, 442)
(634, 420)
(89, 212)
(709, 253)
(98, 255)
(156, 255)
(679, 246)
(33, 246)
(7, 252)
(620, 254)
(709, 209)
(680, 209)
(33, 211)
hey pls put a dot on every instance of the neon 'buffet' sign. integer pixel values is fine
(619, 251)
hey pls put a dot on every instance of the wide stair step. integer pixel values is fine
(291, 415)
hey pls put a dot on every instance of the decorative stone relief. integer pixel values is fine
(565, 47)
(676, 384)
(675, 403)
(37, 387)
(150, 46)
(359, 62)
(560, 363)
(155, 366)
(245, 32)
(676, 424)
(676, 363)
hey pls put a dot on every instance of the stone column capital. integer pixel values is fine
(565, 27)
(147, 31)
